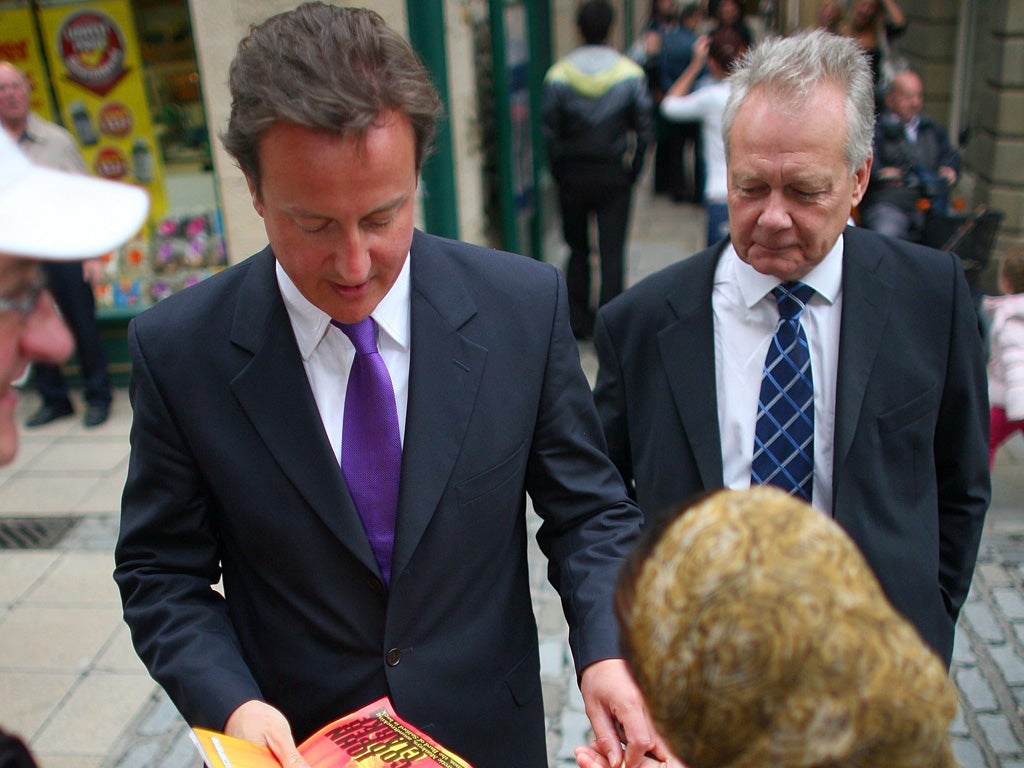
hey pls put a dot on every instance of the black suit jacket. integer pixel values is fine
(910, 476)
(231, 475)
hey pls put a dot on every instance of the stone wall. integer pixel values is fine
(971, 57)
(996, 152)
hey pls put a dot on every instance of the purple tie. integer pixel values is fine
(371, 445)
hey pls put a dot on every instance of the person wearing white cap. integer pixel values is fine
(70, 282)
(47, 216)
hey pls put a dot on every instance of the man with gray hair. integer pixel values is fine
(841, 365)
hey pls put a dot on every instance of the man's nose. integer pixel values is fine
(351, 256)
(775, 214)
(44, 337)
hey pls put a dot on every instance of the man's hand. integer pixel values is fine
(618, 715)
(652, 43)
(948, 174)
(258, 722)
(588, 757)
(701, 49)
(92, 271)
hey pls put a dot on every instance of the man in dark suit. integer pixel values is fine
(913, 160)
(895, 449)
(243, 387)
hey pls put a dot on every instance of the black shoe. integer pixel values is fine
(96, 415)
(48, 413)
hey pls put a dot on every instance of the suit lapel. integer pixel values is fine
(867, 299)
(444, 377)
(687, 347)
(273, 391)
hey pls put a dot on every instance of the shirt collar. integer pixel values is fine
(31, 132)
(826, 278)
(911, 128)
(311, 323)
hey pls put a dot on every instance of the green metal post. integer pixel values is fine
(502, 95)
(427, 35)
(540, 61)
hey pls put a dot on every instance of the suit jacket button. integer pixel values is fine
(375, 584)
(393, 657)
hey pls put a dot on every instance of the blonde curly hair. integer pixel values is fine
(760, 637)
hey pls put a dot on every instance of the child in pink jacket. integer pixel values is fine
(1006, 357)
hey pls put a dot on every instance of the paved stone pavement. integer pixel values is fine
(72, 686)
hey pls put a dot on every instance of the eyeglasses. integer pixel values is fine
(24, 301)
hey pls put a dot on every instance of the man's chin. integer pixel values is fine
(782, 264)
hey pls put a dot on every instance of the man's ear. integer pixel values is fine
(860, 180)
(254, 193)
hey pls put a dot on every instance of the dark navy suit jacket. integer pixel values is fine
(231, 475)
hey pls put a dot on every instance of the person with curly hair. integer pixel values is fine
(760, 637)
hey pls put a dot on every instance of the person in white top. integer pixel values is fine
(707, 103)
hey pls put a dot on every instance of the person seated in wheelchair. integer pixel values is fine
(914, 166)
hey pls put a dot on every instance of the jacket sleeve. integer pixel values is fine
(961, 449)
(589, 523)
(610, 398)
(949, 156)
(167, 561)
(551, 127)
(643, 125)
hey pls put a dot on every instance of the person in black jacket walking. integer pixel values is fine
(598, 122)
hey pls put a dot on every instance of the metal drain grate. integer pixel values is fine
(33, 532)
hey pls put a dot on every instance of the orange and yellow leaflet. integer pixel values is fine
(371, 737)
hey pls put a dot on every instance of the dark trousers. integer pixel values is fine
(679, 161)
(77, 304)
(606, 194)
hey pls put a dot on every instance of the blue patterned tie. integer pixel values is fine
(784, 435)
(371, 444)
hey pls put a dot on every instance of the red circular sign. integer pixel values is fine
(115, 119)
(110, 164)
(92, 49)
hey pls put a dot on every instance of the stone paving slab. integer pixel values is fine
(988, 661)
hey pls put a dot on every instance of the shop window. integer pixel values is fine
(121, 76)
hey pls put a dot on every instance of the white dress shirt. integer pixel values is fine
(745, 316)
(327, 353)
(910, 129)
